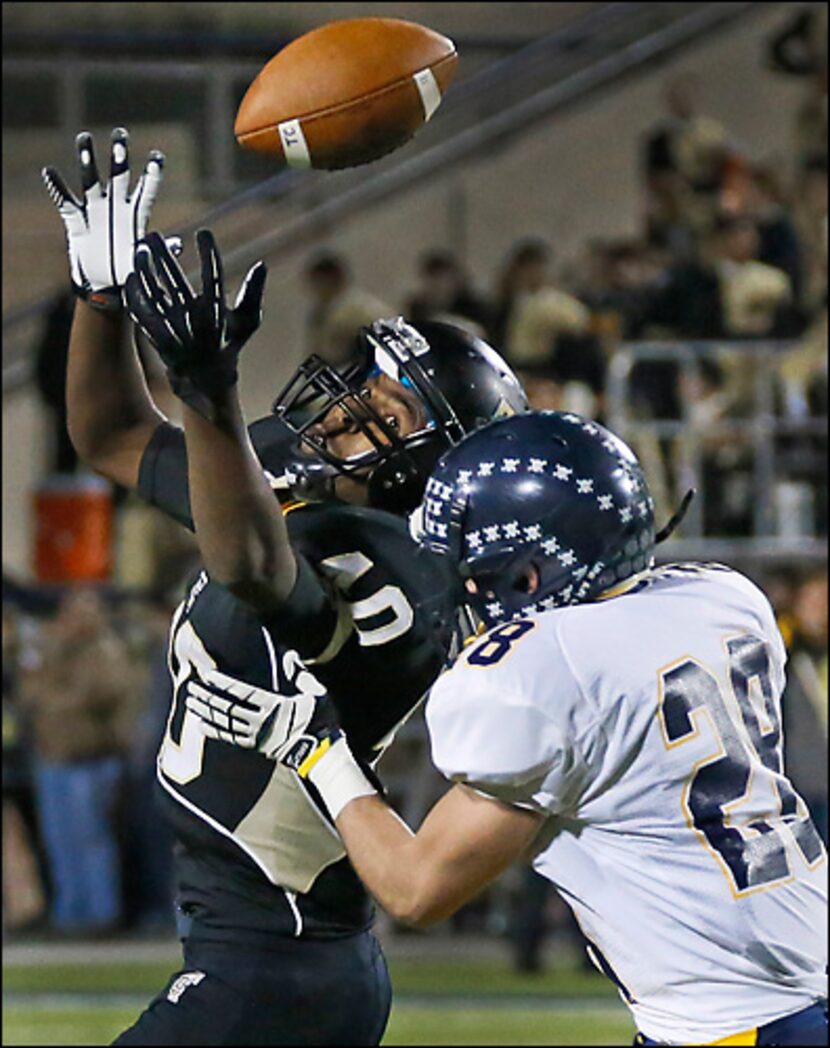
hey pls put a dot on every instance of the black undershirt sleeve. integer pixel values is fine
(309, 617)
(162, 475)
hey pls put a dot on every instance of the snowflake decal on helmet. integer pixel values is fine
(548, 510)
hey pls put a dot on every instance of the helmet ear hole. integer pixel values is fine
(527, 581)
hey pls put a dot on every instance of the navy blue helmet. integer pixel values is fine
(549, 489)
(461, 381)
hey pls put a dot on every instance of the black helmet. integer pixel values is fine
(461, 381)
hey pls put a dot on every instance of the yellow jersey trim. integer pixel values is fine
(746, 1037)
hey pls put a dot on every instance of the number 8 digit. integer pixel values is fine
(499, 642)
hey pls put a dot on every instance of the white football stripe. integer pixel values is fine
(429, 91)
(294, 144)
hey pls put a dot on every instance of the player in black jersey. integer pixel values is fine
(275, 923)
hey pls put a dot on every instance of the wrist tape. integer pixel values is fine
(337, 777)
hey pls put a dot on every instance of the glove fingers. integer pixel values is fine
(246, 315)
(143, 309)
(216, 701)
(86, 160)
(120, 164)
(248, 303)
(58, 190)
(248, 694)
(220, 683)
(213, 278)
(69, 208)
(203, 712)
(169, 270)
(146, 190)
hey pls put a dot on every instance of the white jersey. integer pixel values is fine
(648, 728)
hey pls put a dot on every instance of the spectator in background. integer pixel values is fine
(690, 170)
(805, 698)
(802, 396)
(444, 294)
(618, 287)
(755, 298)
(726, 292)
(545, 334)
(810, 213)
(80, 701)
(24, 901)
(338, 309)
(51, 355)
(531, 313)
(726, 459)
(148, 840)
(778, 242)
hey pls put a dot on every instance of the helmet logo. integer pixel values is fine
(503, 410)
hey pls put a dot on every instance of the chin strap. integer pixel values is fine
(311, 481)
(664, 532)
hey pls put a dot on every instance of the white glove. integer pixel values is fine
(103, 227)
(300, 730)
(254, 718)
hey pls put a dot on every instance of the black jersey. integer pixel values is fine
(373, 619)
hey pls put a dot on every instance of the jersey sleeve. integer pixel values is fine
(505, 737)
(162, 475)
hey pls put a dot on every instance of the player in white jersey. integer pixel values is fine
(623, 724)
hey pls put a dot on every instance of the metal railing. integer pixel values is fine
(609, 43)
(759, 428)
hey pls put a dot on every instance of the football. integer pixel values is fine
(346, 93)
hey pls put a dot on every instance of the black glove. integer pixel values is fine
(197, 336)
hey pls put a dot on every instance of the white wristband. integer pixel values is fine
(338, 778)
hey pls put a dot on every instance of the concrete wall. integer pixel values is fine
(572, 179)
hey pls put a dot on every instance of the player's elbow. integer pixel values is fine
(88, 445)
(421, 906)
(418, 918)
(114, 455)
(259, 582)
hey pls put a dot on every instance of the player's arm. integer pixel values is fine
(464, 843)
(239, 526)
(111, 415)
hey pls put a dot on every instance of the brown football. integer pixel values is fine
(346, 93)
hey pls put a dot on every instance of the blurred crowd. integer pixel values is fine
(86, 694)
(732, 249)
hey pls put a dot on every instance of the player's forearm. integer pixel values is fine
(110, 414)
(383, 851)
(398, 867)
(239, 525)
